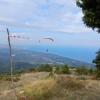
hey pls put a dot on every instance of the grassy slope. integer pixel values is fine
(62, 87)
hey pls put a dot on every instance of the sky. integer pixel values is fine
(60, 20)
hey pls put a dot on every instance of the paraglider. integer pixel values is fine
(47, 50)
(46, 39)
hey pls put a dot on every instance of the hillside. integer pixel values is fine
(45, 86)
(23, 59)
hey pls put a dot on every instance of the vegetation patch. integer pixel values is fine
(69, 84)
(64, 69)
(45, 67)
(51, 74)
(48, 88)
(39, 90)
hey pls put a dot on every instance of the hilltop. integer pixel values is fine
(52, 86)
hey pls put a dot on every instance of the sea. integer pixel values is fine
(85, 54)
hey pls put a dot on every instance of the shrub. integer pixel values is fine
(19, 72)
(65, 69)
(91, 71)
(82, 70)
(58, 70)
(51, 75)
(32, 69)
(69, 83)
(45, 67)
(98, 74)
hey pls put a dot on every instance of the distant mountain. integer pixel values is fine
(23, 59)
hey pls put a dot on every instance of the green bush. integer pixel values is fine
(18, 72)
(58, 70)
(45, 67)
(32, 69)
(51, 74)
(65, 69)
(91, 71)
(97, 73)
(82, 70)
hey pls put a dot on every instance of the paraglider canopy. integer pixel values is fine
(46, 39)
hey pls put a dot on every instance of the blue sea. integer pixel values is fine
(85, 54)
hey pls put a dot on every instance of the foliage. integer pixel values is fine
(98, 74)
(19, 72)
(73, 67)
(45, 67)
(7, 77)
(51, 74)
(32, 69)
(97, 60)
(97, 63)
(91, 11)
(65, 69)
(58, 70)
(82, 70)
(91, 71)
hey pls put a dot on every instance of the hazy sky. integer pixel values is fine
(36, 19)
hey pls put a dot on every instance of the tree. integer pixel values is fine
(91, 11)
(97, 60)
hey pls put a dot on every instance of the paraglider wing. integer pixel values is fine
(48, 38)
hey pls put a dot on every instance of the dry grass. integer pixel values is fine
(27, 78)
(39, 90)
(48, 89)
(37, 86)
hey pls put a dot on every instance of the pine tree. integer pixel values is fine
(97, 60)
(91, 11)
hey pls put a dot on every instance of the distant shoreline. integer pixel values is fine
(79, 53)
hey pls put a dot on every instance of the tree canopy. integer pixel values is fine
(97, 60)
(91, 11)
